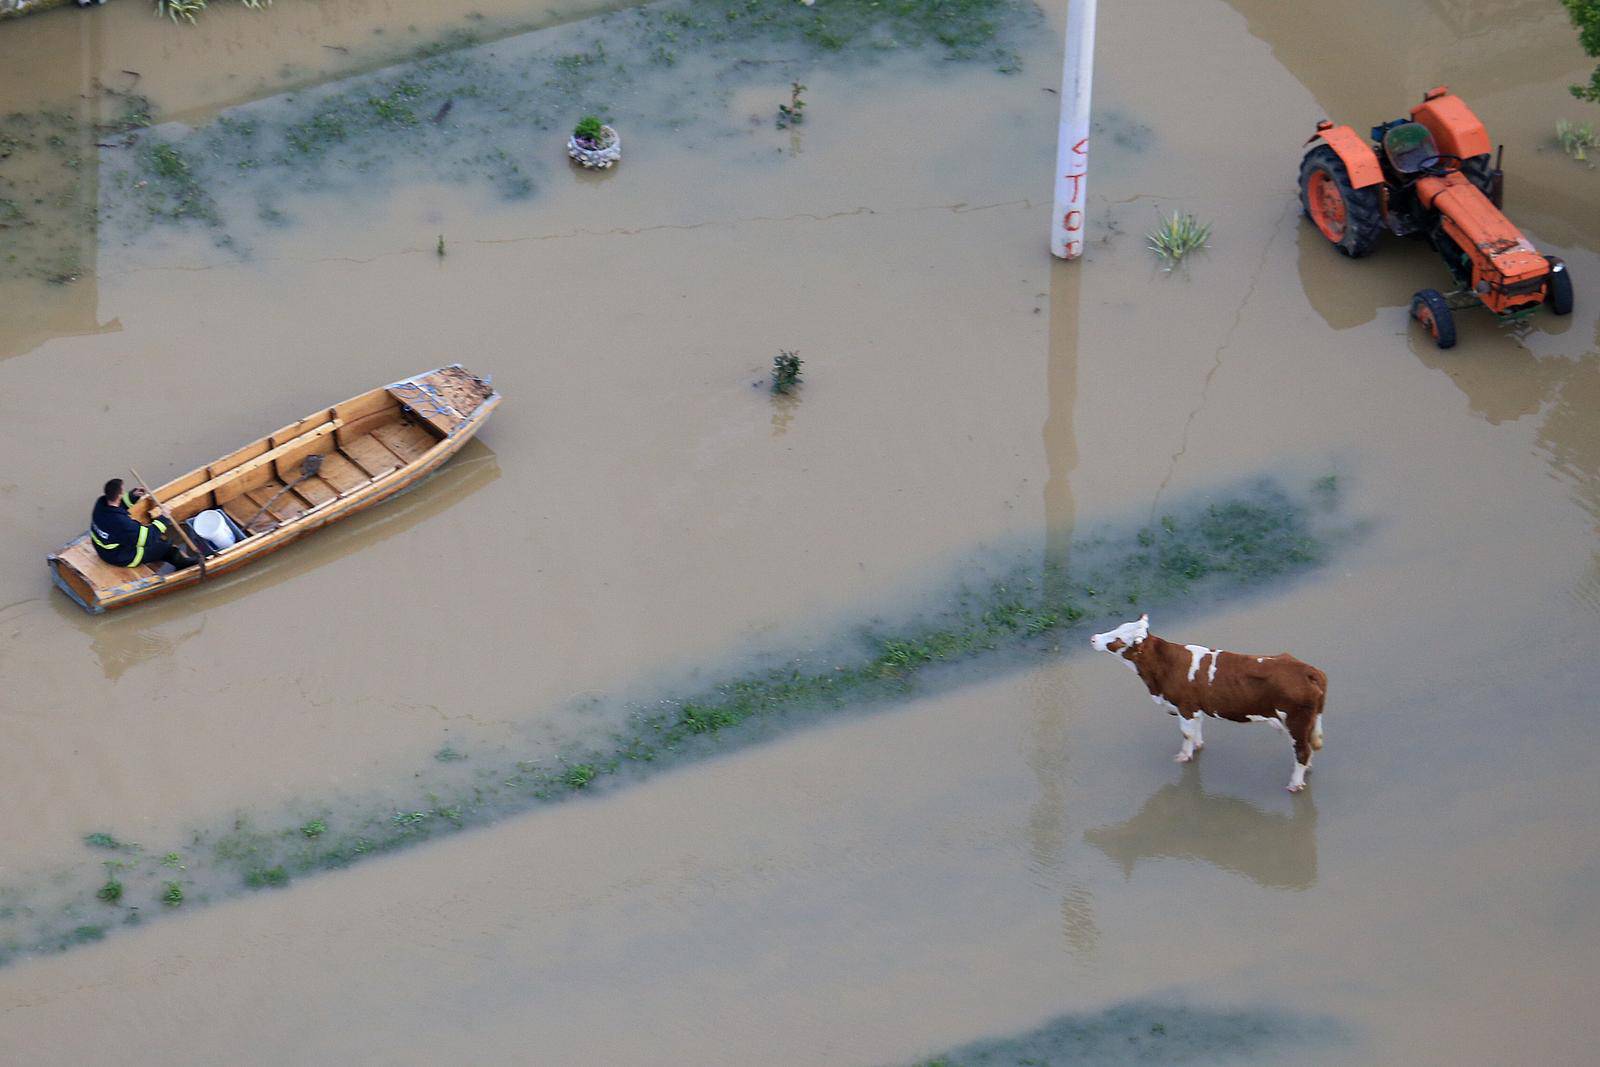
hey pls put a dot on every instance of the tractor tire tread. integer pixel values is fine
(1363, 213)
(1444, 331)
(1560, 287)
(1476, 170)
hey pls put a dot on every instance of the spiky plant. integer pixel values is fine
(785, 371)
(180, 9)
(1177, 236)
(1576, 138)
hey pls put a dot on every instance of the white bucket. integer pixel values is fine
(213, 526)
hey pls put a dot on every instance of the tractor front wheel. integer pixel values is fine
(1430, 308)
(1348, 217)
(1558, 287)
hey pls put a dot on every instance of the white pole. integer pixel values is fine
(1072, 144)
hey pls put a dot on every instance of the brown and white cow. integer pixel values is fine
(1189, 680)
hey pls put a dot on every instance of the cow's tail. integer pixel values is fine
(1319, 680)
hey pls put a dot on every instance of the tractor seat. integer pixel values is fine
(1408, 146)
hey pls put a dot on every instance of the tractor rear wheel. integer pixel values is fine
(1349, 217)
(1558, 287)
(1430, 308)
(1479, 171)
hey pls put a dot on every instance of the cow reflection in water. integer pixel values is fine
(1183, 821)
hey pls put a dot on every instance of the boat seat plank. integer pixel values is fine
(342, 475)
(405, 439)
(241, 508)
(369, 454)
(82, 558)
(316, 491)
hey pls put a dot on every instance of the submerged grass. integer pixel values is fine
(496, 114)
(1212, 551)
(1151, 1032)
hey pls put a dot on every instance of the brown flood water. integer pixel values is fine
(879, 889)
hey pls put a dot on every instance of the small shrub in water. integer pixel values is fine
(581, 775)
(171, 894)
(1576, 138)
(314, 828)
(440, 247)
(785, 371)
(792, 113)
(1175, 237)
(99, 840)
(111, 892)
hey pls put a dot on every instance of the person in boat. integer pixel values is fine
(122, 540)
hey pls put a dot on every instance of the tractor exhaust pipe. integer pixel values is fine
(1497, 180)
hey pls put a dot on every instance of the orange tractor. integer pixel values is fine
(1430, 176)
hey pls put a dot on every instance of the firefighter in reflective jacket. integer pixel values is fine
(121, 539)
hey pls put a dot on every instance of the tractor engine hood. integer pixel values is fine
(1480, 227)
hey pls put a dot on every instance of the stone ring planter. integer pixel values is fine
(599, 156)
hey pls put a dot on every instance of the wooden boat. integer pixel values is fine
(373, 446)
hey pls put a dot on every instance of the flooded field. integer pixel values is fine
(736, 728)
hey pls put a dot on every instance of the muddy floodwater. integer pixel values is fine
(576, 688)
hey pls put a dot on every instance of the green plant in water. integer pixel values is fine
(1175, 237)
(111, 892)
(1576, 138)
(589, 130)
(792, 113)
(314, 828)
(173, 860)
(580, 775)
(264, 877)
(785, 371)
(439, 248)
(171, 894)
(102, 840)
(180, 9)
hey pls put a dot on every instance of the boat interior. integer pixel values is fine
(264, 485)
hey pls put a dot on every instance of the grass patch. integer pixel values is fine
(103, 840)
(170, 186)
(111, 892)
(267, 877)
(171, 894)
(357, 135)
(1147, 1032)
(1202, 553)
(1576, 138)
(1177, 236)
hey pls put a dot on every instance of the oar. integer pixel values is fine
(154, 503)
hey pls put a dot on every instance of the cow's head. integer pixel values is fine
(1124, 637)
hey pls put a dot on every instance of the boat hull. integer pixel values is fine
(137, 590)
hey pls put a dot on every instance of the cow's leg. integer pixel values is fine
(1189, 723)
(1300, 731)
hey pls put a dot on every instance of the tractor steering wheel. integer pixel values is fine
(1440, 165)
